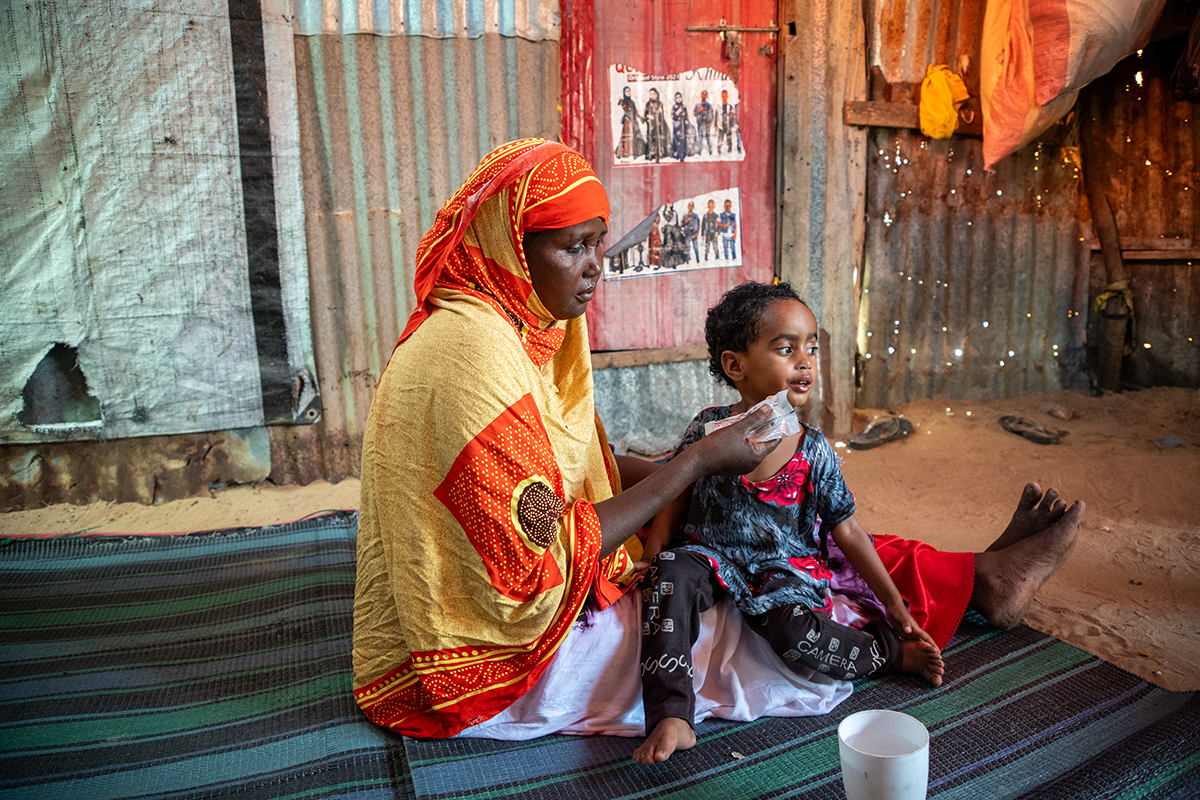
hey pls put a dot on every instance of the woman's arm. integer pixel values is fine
(723, 452)
(860, 550)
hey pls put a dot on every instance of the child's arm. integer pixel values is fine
(665, 523)
(860, 550)
(632, 469)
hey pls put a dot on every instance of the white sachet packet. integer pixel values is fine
(783, 421)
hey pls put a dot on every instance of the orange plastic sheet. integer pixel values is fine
(1038, 54)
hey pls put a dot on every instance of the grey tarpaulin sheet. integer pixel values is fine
(152, 256)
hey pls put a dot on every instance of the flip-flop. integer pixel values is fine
(1031, 430)
(879, 431)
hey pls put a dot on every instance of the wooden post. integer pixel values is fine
(822, 183)
(1114, 321)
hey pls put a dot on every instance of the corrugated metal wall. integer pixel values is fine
(389, 127)
(532, 20)
(1147, 154)
(972, 283)
(390, 124)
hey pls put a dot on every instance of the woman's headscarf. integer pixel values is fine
(547, 185)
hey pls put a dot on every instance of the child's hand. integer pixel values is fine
(649, 551)
(906, 627)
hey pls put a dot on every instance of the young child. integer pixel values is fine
(755, 539)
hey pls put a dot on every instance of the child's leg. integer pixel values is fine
(804, 637)
(677, 588)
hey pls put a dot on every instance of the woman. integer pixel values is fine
(492, 507)
(630, 144)
(674, 242)
(682, 134)
(656, 129)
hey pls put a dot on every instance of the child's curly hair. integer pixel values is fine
(732, 324)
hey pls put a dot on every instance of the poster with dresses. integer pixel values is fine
(699, 232)
(672, 119)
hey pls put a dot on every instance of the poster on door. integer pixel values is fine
(674, 119)
(699, 232)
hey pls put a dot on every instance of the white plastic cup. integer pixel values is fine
(885, 756)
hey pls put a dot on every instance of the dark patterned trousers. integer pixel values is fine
(680, 585)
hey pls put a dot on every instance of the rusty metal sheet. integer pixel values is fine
(151, 469)
(974, 285)
(389, 127)
(1166, 331)
(905, 37)
(950, 248)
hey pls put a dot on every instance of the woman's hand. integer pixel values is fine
(729, 451)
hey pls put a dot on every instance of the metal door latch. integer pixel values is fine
(721, 29)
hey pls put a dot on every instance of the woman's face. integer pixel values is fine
(564, 265)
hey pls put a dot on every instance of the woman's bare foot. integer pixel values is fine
(1006, 580)
(922, 658)
(1035, 512)
(669, 735)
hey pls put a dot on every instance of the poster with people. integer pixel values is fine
(672, 119)
(693, 233)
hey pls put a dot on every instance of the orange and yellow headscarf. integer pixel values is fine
(550, 186)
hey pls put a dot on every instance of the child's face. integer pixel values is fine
(784, 356)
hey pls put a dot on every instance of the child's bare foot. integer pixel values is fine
(922, 658)
(1035, 512)
(1007, 580)
(669, 735)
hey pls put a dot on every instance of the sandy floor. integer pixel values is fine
(1130, 592)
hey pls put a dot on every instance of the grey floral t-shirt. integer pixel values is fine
(762, 538)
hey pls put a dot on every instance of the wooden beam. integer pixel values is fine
(1153, 249)
(1153, 244)
(612, 359)
(1160, 255)
(875, 114)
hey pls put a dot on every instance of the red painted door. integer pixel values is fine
(657, 148)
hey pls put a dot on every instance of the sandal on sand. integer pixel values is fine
(1029, 429)
(878, 431)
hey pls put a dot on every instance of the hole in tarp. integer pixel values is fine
(57, 392)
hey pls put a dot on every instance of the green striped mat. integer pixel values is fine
(200, 666)
(218, 666)
(1022, 715)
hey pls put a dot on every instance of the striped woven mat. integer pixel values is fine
(199, 666)
(1023, 715)
(217, 666)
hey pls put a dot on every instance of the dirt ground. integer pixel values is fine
(1130, 592)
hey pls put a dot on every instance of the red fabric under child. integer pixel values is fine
(936, 585)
